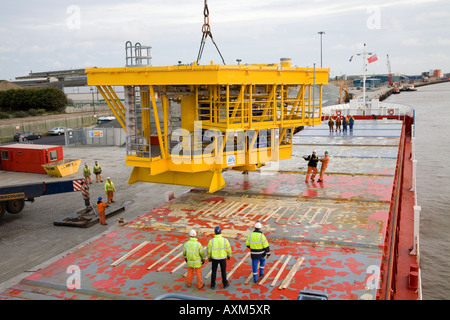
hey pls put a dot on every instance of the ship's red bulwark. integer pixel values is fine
(29, 157)
(399, 269)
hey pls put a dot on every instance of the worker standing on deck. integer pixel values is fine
(312, 165)
(85, 194)
(351, 121)
(109, 190)
(331, 124)
(344, 123)
(259, 247)
(98, 172)
(324, 166)
(338, 123)
(87, 173)
(101, 206)
(195, 256)
(219, 251)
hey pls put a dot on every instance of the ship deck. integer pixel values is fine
(333, 231)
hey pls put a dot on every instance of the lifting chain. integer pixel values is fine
(206, 30)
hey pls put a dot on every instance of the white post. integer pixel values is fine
(414, 170)
(413, 142)
(415, 250)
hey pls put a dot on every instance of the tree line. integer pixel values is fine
(48, 99)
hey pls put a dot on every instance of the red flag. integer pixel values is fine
(372, 58)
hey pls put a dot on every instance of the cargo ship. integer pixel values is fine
(352, 236)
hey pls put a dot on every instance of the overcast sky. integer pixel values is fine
(53, 35)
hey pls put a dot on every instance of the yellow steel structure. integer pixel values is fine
(232, 116)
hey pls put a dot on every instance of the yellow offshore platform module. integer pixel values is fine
(237, 117)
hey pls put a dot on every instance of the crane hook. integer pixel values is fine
(206, 30)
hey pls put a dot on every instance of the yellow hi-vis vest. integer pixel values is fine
(258, 245)
(109, 186)
(193, 252)
(219, 248)
(97, 168)
(86, 171)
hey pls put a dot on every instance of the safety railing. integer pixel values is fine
(417, 209)
(389, 263)
(265, 106)
(376, 108)
(137, 55)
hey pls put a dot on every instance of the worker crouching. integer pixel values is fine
(259, 248)
(219, 251)
(195, 257)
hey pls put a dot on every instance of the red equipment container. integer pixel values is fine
(29, 157)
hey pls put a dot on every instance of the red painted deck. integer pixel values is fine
(338, 227)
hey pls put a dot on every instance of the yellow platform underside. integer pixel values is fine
(211, 180)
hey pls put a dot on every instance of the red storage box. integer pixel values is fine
(29, 157)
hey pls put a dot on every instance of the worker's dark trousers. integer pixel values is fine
(223, 269)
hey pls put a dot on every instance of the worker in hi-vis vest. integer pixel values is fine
(195, 257)
(98, 172)
(110, 189)
(219, 250)
(259, 248)
(87, 173)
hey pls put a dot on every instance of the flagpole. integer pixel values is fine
(364, 73)
(364, 76)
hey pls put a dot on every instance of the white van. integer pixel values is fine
(102, 120)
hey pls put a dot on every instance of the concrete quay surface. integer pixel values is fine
(29, 239)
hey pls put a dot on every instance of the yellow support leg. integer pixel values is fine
(211, 180)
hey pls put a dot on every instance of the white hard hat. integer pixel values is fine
(314, 151)
(192, 233)
(258, 225)
(108, 178)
